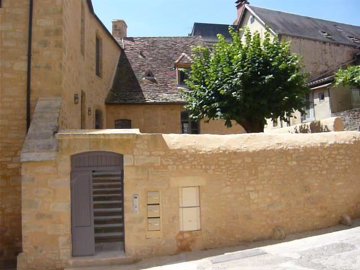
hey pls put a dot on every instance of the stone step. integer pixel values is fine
(106, 196)
(108, 202)
(99, 184)
(107, 210)
(99, 262)
(115, 225)
(102, 218)
(115, 189)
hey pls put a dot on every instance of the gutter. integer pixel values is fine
(29, 62)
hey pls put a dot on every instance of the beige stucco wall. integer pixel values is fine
(162, 119)
(249, 185)
(79, 70)
(13, 61)
(320, 57)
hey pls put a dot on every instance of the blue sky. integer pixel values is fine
(176, 17)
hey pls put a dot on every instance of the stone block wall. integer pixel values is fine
(162, 119)
(351, 119)
(13, 67)
(249, 185)
(79, 68)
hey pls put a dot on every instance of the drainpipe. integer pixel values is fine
(28, 82)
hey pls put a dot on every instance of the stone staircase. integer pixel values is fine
(108, 209)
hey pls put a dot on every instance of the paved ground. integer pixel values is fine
(328, 250)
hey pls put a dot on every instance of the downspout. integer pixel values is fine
(29, 61)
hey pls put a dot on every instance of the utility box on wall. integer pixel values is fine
(189, 209)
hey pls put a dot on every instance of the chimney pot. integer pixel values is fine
(119, 29)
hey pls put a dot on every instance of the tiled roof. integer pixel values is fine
(307, 27)
(144, 57)
(209, 31)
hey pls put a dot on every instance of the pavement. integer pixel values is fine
(336, 248)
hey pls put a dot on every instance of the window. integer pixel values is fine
(190, 209)
(82, 30)
(321, 96)
(189, 126)
(275, 122)
(98, 119)
(123, 124)
(98, 56)
(182, 76)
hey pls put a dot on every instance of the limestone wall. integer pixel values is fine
(249, 185)
(13, 61)
(320, 57)
(80, 62)
(162, 119)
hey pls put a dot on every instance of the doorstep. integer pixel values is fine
(101, 259)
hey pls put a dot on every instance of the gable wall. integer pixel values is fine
(320, 57)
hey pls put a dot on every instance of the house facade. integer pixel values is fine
(324, 47)
(47, 49)
(61, 69)
(146, 92)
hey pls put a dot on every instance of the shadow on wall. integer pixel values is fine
(313, 127)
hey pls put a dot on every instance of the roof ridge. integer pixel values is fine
(304, 16)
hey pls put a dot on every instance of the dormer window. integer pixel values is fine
(149, 76)
(354, 39)
(182, 75)
(326, 35)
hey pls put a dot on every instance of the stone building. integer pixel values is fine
(324, 46)
(60, 49)
(63, 75)
(146, 93)
(47, 49)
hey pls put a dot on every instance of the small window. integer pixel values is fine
(98, 56)
(326, 35)
(189, 126)
(123, 124)
(82, 30)
(321, 96)
(190, 209)
(182, 76)
(98, 119)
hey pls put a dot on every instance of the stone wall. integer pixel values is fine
(13, 61)
(249, 185)
(159, 118)
(57, 70)
(351, 119)
(79, 65)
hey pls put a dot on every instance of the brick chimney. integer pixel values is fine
(119, 29)
(240, 5)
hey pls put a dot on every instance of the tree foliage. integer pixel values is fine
(247, 80)
(349, 76)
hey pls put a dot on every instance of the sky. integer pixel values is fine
(149, 18)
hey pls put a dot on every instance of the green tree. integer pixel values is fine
(349, 76)
(246, 81)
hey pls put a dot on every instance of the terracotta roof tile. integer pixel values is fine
(150, 54)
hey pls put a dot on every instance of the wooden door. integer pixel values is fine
(82, 214)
